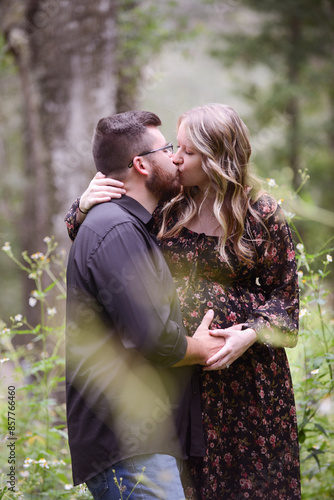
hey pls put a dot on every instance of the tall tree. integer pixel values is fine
(64, 53)
(77, 61)
(294, 39)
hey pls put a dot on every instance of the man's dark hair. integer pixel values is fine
(118, 138)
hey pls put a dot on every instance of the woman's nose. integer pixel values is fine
(177, 159)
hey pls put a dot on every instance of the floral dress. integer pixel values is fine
(248, 410)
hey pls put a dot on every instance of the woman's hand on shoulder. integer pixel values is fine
(100, 190)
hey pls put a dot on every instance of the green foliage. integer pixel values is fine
(122, 488)
(312, 361)
(32, 385)
(315, 388)
(6, 64)
(33, 413)
(37, 372)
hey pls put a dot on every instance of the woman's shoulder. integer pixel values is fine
(265, 205)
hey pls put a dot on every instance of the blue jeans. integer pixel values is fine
(159, 481)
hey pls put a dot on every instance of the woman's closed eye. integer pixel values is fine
(186, 151)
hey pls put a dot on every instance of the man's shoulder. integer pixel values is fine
(104, 217)
(108, 211)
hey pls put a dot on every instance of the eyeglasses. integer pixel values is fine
(168, 148)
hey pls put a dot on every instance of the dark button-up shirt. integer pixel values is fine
(124, 332)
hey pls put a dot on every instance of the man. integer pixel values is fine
(131, 401)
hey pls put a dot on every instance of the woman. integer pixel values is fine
(230, 249)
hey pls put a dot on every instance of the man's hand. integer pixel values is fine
(208, 348)
(202, 345)
(100, 189)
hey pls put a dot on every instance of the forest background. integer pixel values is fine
(63, 65)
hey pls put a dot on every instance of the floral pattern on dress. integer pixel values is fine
(248, 410)
(71, 220)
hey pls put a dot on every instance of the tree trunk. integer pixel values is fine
(64, 52)
(65, 55)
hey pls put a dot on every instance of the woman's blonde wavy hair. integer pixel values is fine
(222, 138)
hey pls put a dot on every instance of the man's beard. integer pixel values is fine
(164, 185)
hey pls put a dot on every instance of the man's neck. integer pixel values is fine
(145, 198)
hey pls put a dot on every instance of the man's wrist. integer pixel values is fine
(195, 354)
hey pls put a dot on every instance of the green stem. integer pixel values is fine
(140, 478)
(323, 331)
(45, 392)
(301, 241)
(19, 264)
(302, 184)
(56, 281)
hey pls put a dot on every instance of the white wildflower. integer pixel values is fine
(43, 463)
(54, 462)
(7, 248)
(4, 360)
(329, 258)
(18, 317)
(5, 331)
(271, 182)
(289, 215)
(57, 462)
(314, 372)
(303, 312)
(68, 486)
(28, 462)
(47, 239)
(38, 256)
(300, 274)
(32, 301)
(300, 247)
(52, 311)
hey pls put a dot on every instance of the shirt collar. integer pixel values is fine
(134, 207)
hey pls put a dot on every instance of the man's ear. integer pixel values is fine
(140, 165)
